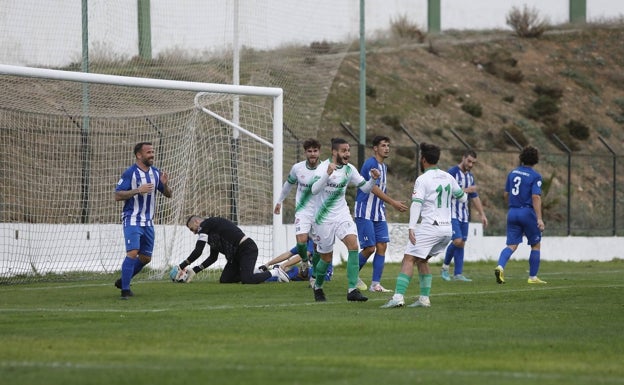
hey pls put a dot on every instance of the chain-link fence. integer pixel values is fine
(582, 194)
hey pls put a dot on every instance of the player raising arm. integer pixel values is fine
(303, 174)
(333, 218)
(370, 214)
(137, 188)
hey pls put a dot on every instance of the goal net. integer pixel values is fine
(62, 158)
(61, 155)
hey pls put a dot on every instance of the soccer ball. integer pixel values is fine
(182, 276)
(177, 275)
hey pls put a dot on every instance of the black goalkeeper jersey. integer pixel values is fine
(223, 236)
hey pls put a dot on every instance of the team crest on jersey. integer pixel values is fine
(120, 181)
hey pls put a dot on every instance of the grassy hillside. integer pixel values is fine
(482, 89)
(424, 86)
(489, 90)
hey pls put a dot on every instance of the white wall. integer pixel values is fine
(488, 248)
(60, 248)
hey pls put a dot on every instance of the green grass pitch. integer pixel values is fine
(566, 332)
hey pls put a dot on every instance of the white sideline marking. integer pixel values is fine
(282, 305)
(410, 372)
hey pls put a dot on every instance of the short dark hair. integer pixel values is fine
(380, 138)
(336, 142)
(529, 156)
(470, 152)
(139, 146)
(190, 218)
(311, 143)
(430, 152)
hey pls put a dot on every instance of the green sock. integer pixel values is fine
(425, 284)
(316, 257)
(302, 250)
(320, 270)
(403, 281)
(353, 268)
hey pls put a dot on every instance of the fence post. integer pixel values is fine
(614, 183)
(460, 138)
(145, 29)
(567, 149)
(515, 142)
(433, 16)
(406, 132)
(298, 150)
(578, 11)
(347, 127)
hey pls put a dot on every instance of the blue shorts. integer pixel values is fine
(139, 238)
(522, 221)
(460, 229)
(371, 232)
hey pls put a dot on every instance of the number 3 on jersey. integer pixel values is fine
(516, 185)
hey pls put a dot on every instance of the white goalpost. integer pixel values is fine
(66, 137)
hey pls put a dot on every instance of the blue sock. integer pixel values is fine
(127, 270)
(504, 256)
(459, 260)
(378, 266)
(138, 266)
(450, 251)
(534, 262)
(363, 260)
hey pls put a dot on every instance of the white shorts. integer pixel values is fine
(325, 235)
(303, 224)
(430, 240)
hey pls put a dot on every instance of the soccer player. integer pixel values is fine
(292, 258)
(224, 237)
(431, 201)
(333, 218)
(370, 215)
(303, 174)
(523, 190)
(461, 216)
(137, 188)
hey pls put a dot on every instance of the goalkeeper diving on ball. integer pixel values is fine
(224, 237)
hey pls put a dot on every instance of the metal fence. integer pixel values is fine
(582, 195)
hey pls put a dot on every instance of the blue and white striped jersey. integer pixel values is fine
(460, 210)
(368, 205)
(139, 210)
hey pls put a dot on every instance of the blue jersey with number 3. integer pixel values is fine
(522, 183)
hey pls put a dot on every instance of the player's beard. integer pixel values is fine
(148, 162)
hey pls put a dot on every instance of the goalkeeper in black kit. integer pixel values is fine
(224, 237)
